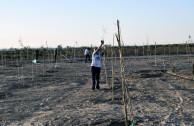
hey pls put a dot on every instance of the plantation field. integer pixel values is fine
(161, 91)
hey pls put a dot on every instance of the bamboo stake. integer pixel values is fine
(43, 61)
(105, 68)
(192, 68)
(21, 61)
(177, 51)
(27, 52)
(112, 69)
(60, 59)
(187, 50)
(2, 59)
(169, 53)
(129, 102)
(164, 59)
(155, 55)
(17, 62)
(5, 59)
(143, 49)
(122, 73)
(48, 53)
(32, 72)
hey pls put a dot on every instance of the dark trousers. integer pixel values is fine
(87, 57)
(95, 77)
(36, 56)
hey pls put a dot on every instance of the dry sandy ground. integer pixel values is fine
(48, 94)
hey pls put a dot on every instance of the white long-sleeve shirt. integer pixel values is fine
(96, 60)
(86, 52)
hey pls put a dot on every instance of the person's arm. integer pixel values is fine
(102, 42)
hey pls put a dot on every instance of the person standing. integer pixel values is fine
(96, 67)
(55, 53)
(37, 54)
(87, 55)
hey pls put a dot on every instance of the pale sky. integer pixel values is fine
(86, 22)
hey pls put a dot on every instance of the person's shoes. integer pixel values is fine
(98, 87)
(92, 89)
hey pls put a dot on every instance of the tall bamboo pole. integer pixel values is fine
(105, 66)
(118, 36)
(187, 50)
(155, 55)
(5, 59)
(143, 49)
(164, 59)
(112, 55)
(43, 60)
(2, 58)
(192, 68)
(32, 72)
(177, 50)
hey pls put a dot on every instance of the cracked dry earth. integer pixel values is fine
(45, 94)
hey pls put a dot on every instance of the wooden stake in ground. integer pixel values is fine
(43, 60)
(2, 59)
(193, 68)
(32, 72)
(164, 59)
(122, 73)
(112, 53)
(105, 67)
(155, 55)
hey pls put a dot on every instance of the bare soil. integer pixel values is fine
(59, 94)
